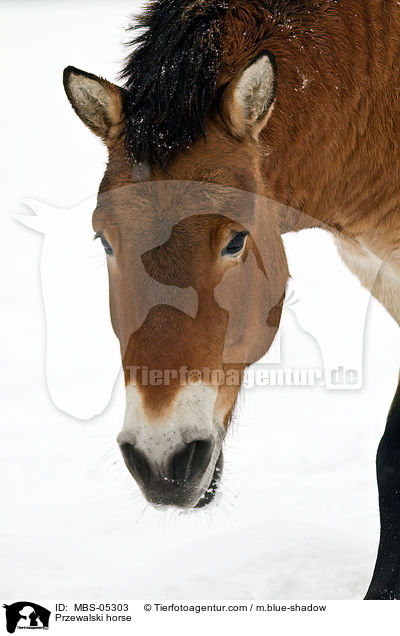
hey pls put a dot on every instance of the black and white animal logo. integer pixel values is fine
(26, 615)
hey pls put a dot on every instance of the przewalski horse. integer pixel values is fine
(228, 107)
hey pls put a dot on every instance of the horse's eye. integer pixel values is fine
(235, 245)
(107, 247)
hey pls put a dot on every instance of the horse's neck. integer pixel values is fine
(332, 142)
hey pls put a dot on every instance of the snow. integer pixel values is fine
(297, 515)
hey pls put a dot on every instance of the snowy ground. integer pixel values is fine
(297, 516)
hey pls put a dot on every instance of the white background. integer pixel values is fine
(297, 516)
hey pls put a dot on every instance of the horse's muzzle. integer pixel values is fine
(188, 480)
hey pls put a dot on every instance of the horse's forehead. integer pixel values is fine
(160, 205)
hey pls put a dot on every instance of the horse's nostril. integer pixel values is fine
(136, 462)
(187, 466)
(192, 461)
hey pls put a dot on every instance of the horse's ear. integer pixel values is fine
(97, 102)
(249, 100)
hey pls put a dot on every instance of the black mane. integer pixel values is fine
(171, 76)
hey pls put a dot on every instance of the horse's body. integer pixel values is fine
(294, 102)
